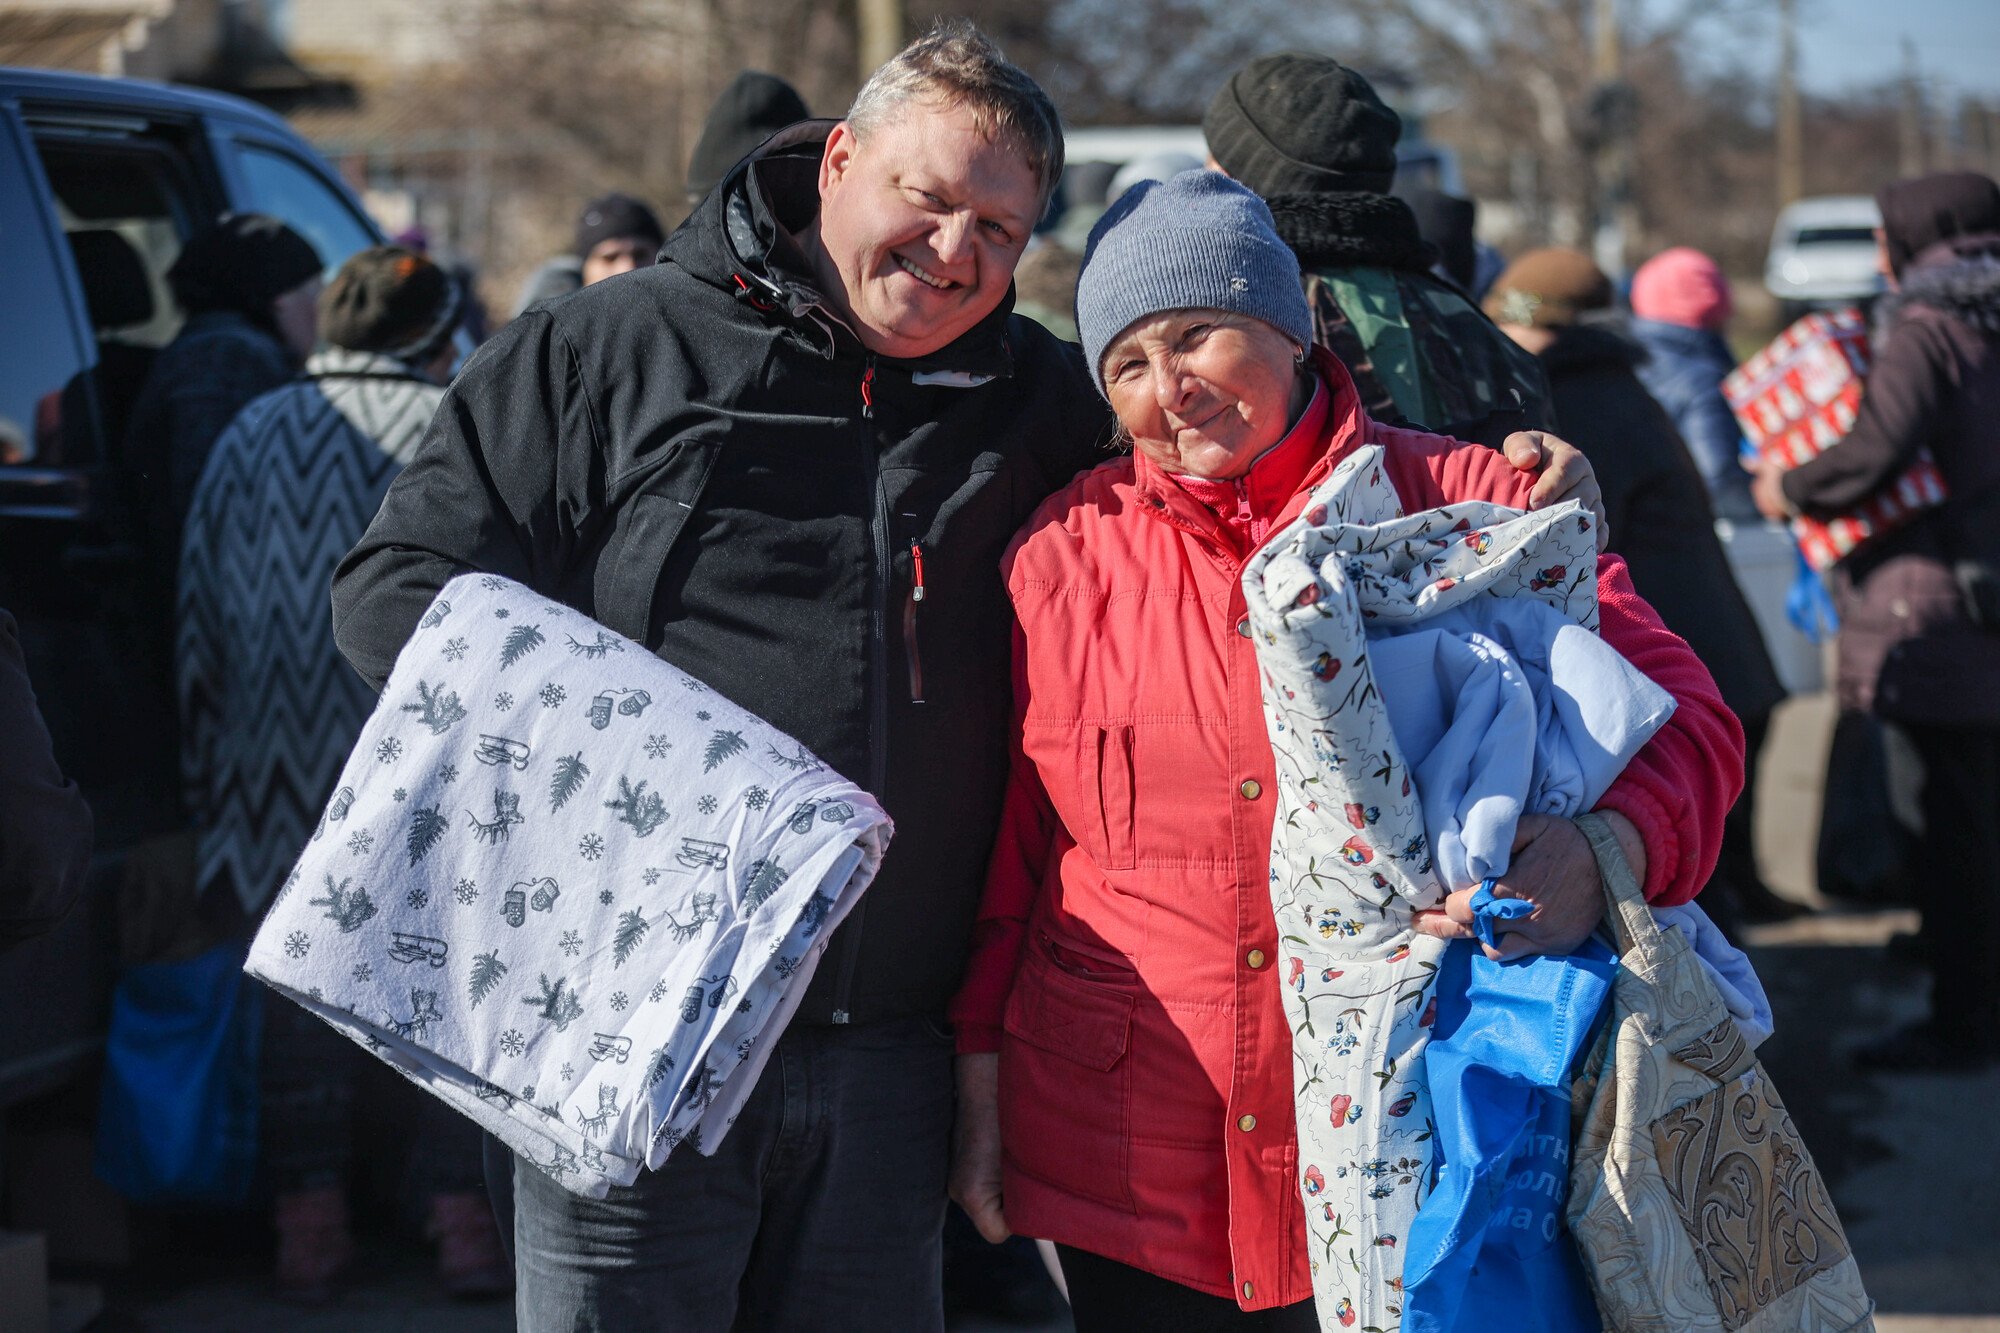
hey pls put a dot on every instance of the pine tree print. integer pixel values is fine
(559, 1004)
(570, 773)
(427, 825)
(643, 810)
(349, 908)
(632, 928)
(487, 969)
(521, 640)
(721, 746)
(436, 708)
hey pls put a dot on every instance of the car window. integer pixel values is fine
(44, 405)
(286, 188)
(1835, 236)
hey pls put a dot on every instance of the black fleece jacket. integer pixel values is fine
(702, 457)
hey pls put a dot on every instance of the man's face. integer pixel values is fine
(922, 225)
(618, 254)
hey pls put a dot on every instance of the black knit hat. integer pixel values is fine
(615, 215)
(1919, 213)
(1298, 123)
(391, 300)
(242, 262)
(752, 108)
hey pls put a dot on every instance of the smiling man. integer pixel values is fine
(736, 458)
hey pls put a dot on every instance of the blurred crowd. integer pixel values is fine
(268, 432)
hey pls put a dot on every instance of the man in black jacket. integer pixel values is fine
(788, 458)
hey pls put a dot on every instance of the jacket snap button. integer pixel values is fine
(1248, 1291)
(1256, 959)
(1251, 789)
(1243, 627)
(1247, 1123)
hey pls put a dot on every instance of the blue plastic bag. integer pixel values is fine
(178, 1115)
(1490, 1251)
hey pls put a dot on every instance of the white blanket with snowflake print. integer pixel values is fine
(567, 887)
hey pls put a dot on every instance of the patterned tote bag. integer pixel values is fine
(1692, 1197)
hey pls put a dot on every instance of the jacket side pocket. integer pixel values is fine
(1065, 1082)
(1115, 796)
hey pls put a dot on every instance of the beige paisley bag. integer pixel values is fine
(1692, 1198)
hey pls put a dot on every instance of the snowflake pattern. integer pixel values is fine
(418, 897)
(657, 747)
(315, 996)
(448, 773)
(500, 613)
(512, 1042)
(652, 875)
(566, 1073)
(706, 805)
(454, 649)
(702, 715)
(659, 991)
(503, 701)
(297, 943)
(553, 694)
(466, 891)
(527, 1092)
(571, 943)
(360, 842)
(690, 683)
(604, 896)
(389, 751)
(363, 972)
(493, 583)
(591, 847)
(618, 1001)
(756, 798)
(399, 795)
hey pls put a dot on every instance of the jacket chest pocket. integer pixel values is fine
(1106, 752)
(1065, 1081)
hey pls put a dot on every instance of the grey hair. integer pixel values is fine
(958, 66)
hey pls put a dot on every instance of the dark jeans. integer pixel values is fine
(1106, 1296)
(821, 1209)
(1958, 878)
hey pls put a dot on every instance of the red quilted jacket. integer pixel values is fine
(1123, 960)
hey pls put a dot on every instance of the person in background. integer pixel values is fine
(1045, 287)
(269, 711)
(1558, 304)
(1151, 167)
(45, 825)
(1311, 138)
(753, 107)
(1919, 606)
(1446, 221)
(614, 235)
(1680, 302)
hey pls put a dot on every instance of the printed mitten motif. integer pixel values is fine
(1350, 860)
(568, 888)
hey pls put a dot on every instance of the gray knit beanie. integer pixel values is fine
(1198, 241)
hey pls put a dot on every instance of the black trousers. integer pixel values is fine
(1106, 1296)
(1958, 878)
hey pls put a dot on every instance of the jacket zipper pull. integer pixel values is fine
(916, 660)
(868, 389)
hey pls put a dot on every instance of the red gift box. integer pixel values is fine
(1799, 396)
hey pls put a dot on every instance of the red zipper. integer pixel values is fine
(868, 389)
(910, 622)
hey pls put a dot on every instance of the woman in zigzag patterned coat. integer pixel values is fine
(269, 711)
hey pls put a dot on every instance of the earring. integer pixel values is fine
(1299, 357)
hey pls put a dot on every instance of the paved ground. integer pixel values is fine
(1913, 1161)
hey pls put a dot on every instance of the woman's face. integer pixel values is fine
(1203, 393)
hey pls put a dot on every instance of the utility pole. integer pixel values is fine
(880, 24)
(1613, 117)
(1791, 129)
(1912, 119)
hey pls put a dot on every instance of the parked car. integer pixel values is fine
(1823, 254)
(101, 181)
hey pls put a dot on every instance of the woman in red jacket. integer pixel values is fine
(1125, 1065)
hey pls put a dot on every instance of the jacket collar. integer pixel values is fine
(1344, 430)
(1351, 229)
(741, 239)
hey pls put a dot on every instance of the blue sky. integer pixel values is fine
(1845, 43)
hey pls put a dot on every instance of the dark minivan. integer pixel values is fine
(101, 180)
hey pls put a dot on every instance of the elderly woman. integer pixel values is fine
(1120, 1027)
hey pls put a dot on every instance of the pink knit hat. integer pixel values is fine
(1682, 286)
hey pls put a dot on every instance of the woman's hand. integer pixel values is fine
(1554, 868)
(1766, 487)
(975, 1145)
(1566, 474)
